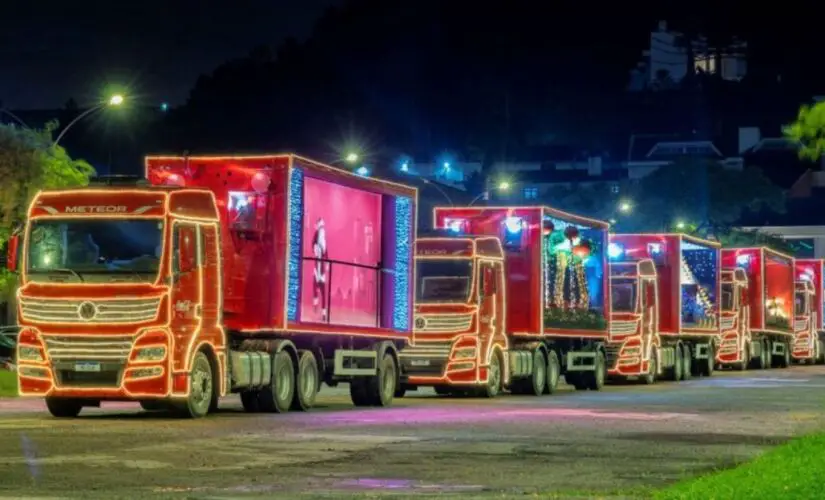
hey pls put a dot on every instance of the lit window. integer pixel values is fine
(614, 188)
(531, 193)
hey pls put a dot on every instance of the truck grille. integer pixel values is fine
(89, 311)
(434, 355)
(443, 323)
(114, 348)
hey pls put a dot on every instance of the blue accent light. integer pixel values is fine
(654, 248)
(363, 171)
(743, 260)
(403, 254)
(296, 219)
(405, 167)
(615, 251)
(513, 224)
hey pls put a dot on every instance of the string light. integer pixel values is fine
(403, 249)
(296, 220)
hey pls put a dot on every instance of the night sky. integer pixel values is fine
(153, 48)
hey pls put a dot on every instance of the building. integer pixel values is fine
(667, 60)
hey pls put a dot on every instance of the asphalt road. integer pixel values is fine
(570, 443)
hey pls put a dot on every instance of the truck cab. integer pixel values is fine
(734, 318)
(113, 300)
(460, 313)
(805, 344)
(634, 327)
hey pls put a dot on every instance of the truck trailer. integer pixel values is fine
(263, 276)
(509, 298)
(758, 287)
(664, 292)
(808, 345)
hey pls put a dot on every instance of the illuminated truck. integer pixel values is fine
(263, 276)
(664, 291)
(509, 298)
(758, 288)
(808, 346)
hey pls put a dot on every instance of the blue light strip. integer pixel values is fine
(296, 219)
(403, 254)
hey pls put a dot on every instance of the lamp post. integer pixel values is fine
(114, 101)
(502, 186)
(13, 116)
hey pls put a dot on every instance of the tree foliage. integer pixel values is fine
(702, 195)
(809, 131)
(29, 162)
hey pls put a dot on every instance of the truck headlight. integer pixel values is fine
(151, 354)
(465, 353)
(26, 353)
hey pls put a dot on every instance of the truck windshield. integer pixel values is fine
(443, 280)
(623, 296)
(799, 304)
(83, 247)
(727, 297)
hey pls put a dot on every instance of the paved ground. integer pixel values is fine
(625, 437)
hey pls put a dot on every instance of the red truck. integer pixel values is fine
(664, 292)
(509, 298)
(758, 288)
(808, 345)
(263, 276)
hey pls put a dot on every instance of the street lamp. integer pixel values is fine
(13, 116)
(625, 207)
(352, 157)
(502, 186)
(114, 101)
(680, 225)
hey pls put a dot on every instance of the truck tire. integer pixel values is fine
(676, 370)
(201, 390)
(707, 365)
(820, 353)
(746, 358)
(687, 362)
(251, 401)
(63, 407)
(553, 373)
(595, 380)
(535, 385)
(377, 390)
(649, 378)
(277, 398)
(493, 386)
(306, 382)
(786, 358)
(765, 357)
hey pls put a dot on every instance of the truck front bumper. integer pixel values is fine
(110, 367)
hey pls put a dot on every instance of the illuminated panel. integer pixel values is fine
(296, 205)
(403, 247)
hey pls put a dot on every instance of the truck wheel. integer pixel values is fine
(493, 386)
(381, 387)
(63, 407)
(820, 357)
(595, 379)
(538, 379)
(649, 378)
(306, 383)
(687, 362)
(765, 357)
(706, 368)
(553, 373)
(676, 370)
(251, 401)
(278, 396)
(746, 358)
(786, 358)
(201, 390)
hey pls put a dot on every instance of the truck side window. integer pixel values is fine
(185, 248)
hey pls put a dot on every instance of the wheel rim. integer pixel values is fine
(308, 383)
(201, 385)
(495, 375)
(553, 373)
(541, 374)
(284, 382)
(388, 380)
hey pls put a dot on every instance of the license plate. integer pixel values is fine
(87, 367)
(420, 362)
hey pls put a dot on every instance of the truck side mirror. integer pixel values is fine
(12, 253)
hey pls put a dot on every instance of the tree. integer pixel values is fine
(676, 194)
(598, 200)
(809, 131)
(29, 162)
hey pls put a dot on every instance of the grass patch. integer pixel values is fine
(793, 470)
(8, 383)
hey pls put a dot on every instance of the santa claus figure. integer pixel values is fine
(319, 278)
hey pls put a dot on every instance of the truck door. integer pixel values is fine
(490, 310)
(187, 276)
